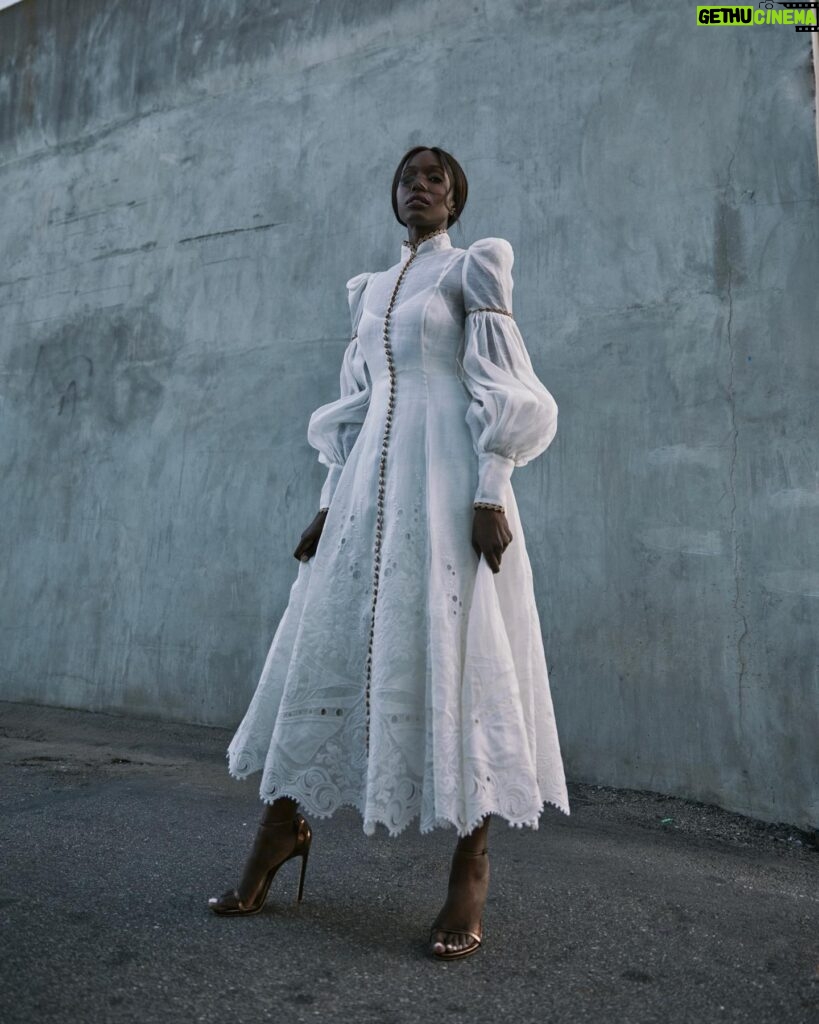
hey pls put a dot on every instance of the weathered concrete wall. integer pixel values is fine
(185, 189)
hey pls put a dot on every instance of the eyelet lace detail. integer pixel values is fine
(327, 772)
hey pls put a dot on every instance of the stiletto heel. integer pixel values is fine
(303, 870)
(231, 903)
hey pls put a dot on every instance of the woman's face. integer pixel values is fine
(422, 191)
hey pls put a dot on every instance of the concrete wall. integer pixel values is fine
(185, 189)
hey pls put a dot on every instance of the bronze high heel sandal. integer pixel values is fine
(231, 903)
(454, 954)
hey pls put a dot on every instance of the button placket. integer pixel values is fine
(382, 470)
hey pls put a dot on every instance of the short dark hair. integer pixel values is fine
(460, 188)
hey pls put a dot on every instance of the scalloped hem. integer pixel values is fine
(369, 824)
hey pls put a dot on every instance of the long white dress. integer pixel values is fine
(405, 678)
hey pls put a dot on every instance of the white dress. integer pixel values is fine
(405, 678)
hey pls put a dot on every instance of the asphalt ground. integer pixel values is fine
(636, 908)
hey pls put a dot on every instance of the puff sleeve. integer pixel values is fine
(334, 428)
(512, 417)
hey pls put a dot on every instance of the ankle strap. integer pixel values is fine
(471, 853)
(294, 822)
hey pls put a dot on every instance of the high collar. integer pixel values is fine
(433, 244)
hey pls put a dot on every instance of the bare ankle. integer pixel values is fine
(476, 841)
(281, 810)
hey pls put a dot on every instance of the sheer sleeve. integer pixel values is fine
(334, 428)
(512, 417)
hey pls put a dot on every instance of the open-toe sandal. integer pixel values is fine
(230, 903)
(455, 954)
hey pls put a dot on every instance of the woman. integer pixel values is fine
(407, 675)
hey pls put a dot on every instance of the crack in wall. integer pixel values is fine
(734, 444)
(229, 231)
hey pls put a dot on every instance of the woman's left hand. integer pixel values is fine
(491, 535)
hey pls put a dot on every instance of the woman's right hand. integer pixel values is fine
(310, 538)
